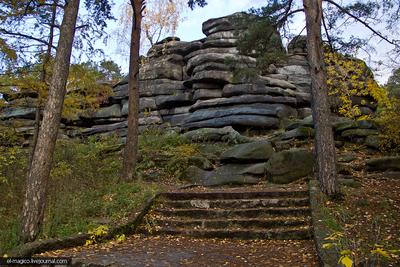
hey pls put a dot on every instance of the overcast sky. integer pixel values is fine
(190, 29)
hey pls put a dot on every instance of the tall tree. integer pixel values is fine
(131, 147)
(160, 19)
(35, 196)
(324, 142)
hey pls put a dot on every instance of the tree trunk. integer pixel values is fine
(43, 77)
(37, 179)
(324, 142)
(131, 147)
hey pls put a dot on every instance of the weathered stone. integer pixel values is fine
(168, 66)
(304, 112)
(174, 111)
(220, 176)
(383, 164)
(223, 35)
(218, 58)
(18, 113)
(150, 120)
(298, 133)
(259, 151)
(201, 162)
(298, 45)
(276, 82)
(251, 121)
(175, 120)
(373, 141)
(211, 76)
(218, 50)
(227, 23)
(174, 47)
(306, 122)
(352, 133)
(243, 99)
(206, 86)
(145, 103)
(172, 101)
(119, 92)
(160, 87)
(294, 70)
(113, 111)
(211, 66)
(210, 43)
(201, 94)
(289, 165)
(103, 128)
(275, 110)
(226, 134)
(255, 89)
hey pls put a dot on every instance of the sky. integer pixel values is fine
(190, 29)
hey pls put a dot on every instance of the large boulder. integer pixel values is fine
(18, 113)
(227, 23)
(172, 101)
(259, 151)
(383, 164)
(226, 134)
(241, 100)
(113, 111)
(229, 174)
(166, 67)
(289, 165)
(255, 89)
(246, 121)
(274, 110)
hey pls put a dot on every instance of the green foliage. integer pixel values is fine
(388, 118)
(393, 84)
(166, 152)
(84, 189)
(262, 41)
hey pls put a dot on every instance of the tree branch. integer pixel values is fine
(327, 33)
(4, 31)
(362, 22)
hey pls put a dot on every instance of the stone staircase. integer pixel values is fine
(278, 214)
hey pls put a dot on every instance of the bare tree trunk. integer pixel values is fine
(131, 147)
(324, 142)
(38, 176)
(43, 77)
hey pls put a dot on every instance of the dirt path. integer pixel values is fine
(185, 251)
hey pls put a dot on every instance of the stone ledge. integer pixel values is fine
(327, 257)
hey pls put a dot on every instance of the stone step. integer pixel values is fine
(292, 233)
(278, 222)
(233, 195)
(234, 213)
(236, 203)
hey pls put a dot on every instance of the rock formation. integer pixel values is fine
(192, 85)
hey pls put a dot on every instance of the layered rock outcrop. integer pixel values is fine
(193, 85)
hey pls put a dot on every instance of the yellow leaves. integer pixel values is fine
(96, 234)
(345, 258)
(348, 77)
(120, 238)
(5, 256)
(380, 251)
(334, 236)
(346, 261)
(328, 245)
